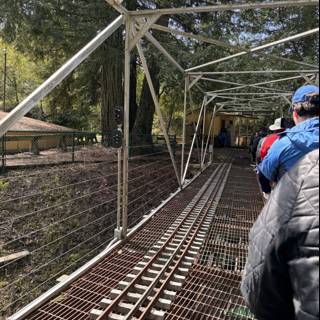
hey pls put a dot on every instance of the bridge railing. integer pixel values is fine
(55, 218)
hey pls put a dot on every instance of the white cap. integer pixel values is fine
(277, 125)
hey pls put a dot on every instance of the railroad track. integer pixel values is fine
(149, 291)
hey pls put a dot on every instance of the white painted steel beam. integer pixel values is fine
(126, 125)
(227, 7)
(193, 124)
(255, 112)
(194, 82)
(209, 137)
(222, 44)
(194, 140)
(193, 36)
(243, 99)
(30, 102)
(156, 43)
(117, 5)
(257, 84)
(257, 49)
(210, 99)
(240, 85)
(184, 131)
(158, 110)
(143, 29)
(301, 63)
(253, 72)
(257, 94)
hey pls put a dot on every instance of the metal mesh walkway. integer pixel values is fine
(212, 288)
(87, 293)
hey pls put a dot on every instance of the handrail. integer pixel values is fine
(31, 101)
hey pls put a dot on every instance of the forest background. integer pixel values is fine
(40, 35)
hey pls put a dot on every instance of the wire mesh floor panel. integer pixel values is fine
(212, 289)
(87, 292)
(210, 293)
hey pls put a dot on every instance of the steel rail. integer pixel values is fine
(208, 205)
(114, 245)
(117, 301)
(169, 262)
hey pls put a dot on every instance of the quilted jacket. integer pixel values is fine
(281, 279)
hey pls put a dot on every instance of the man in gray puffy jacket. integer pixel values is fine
(281, 280)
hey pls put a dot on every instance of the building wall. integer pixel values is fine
(231, 123)
(24, 143)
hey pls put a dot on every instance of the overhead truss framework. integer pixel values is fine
(233, 96)
(242, 98)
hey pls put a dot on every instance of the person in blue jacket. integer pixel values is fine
(296, 142)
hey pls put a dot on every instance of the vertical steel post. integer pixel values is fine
(213, 132)
(282, 107)
(208, 139)
(73, 147)
(3, 152)
(126, 140)
(194, 140)
(203, 133)
(248, 134)
(119, 203)
(186, 88)
(193, 123)
(5, 69)
(239, 133)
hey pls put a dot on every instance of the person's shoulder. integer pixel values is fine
(281, 144)
(307, 165)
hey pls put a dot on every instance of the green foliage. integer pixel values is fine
(22, 75)
(4, 185)
(41, 35)
(240, 313)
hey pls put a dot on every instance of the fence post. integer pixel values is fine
(3, 152)
(73, 147)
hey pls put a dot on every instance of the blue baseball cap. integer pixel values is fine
(304, 94)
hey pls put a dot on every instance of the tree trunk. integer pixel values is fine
(133, 92)
(145, 116)
(111, 83)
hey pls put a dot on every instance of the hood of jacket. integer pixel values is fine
(305, 136)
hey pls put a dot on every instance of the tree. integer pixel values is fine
(22, 76)
(51, 31)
